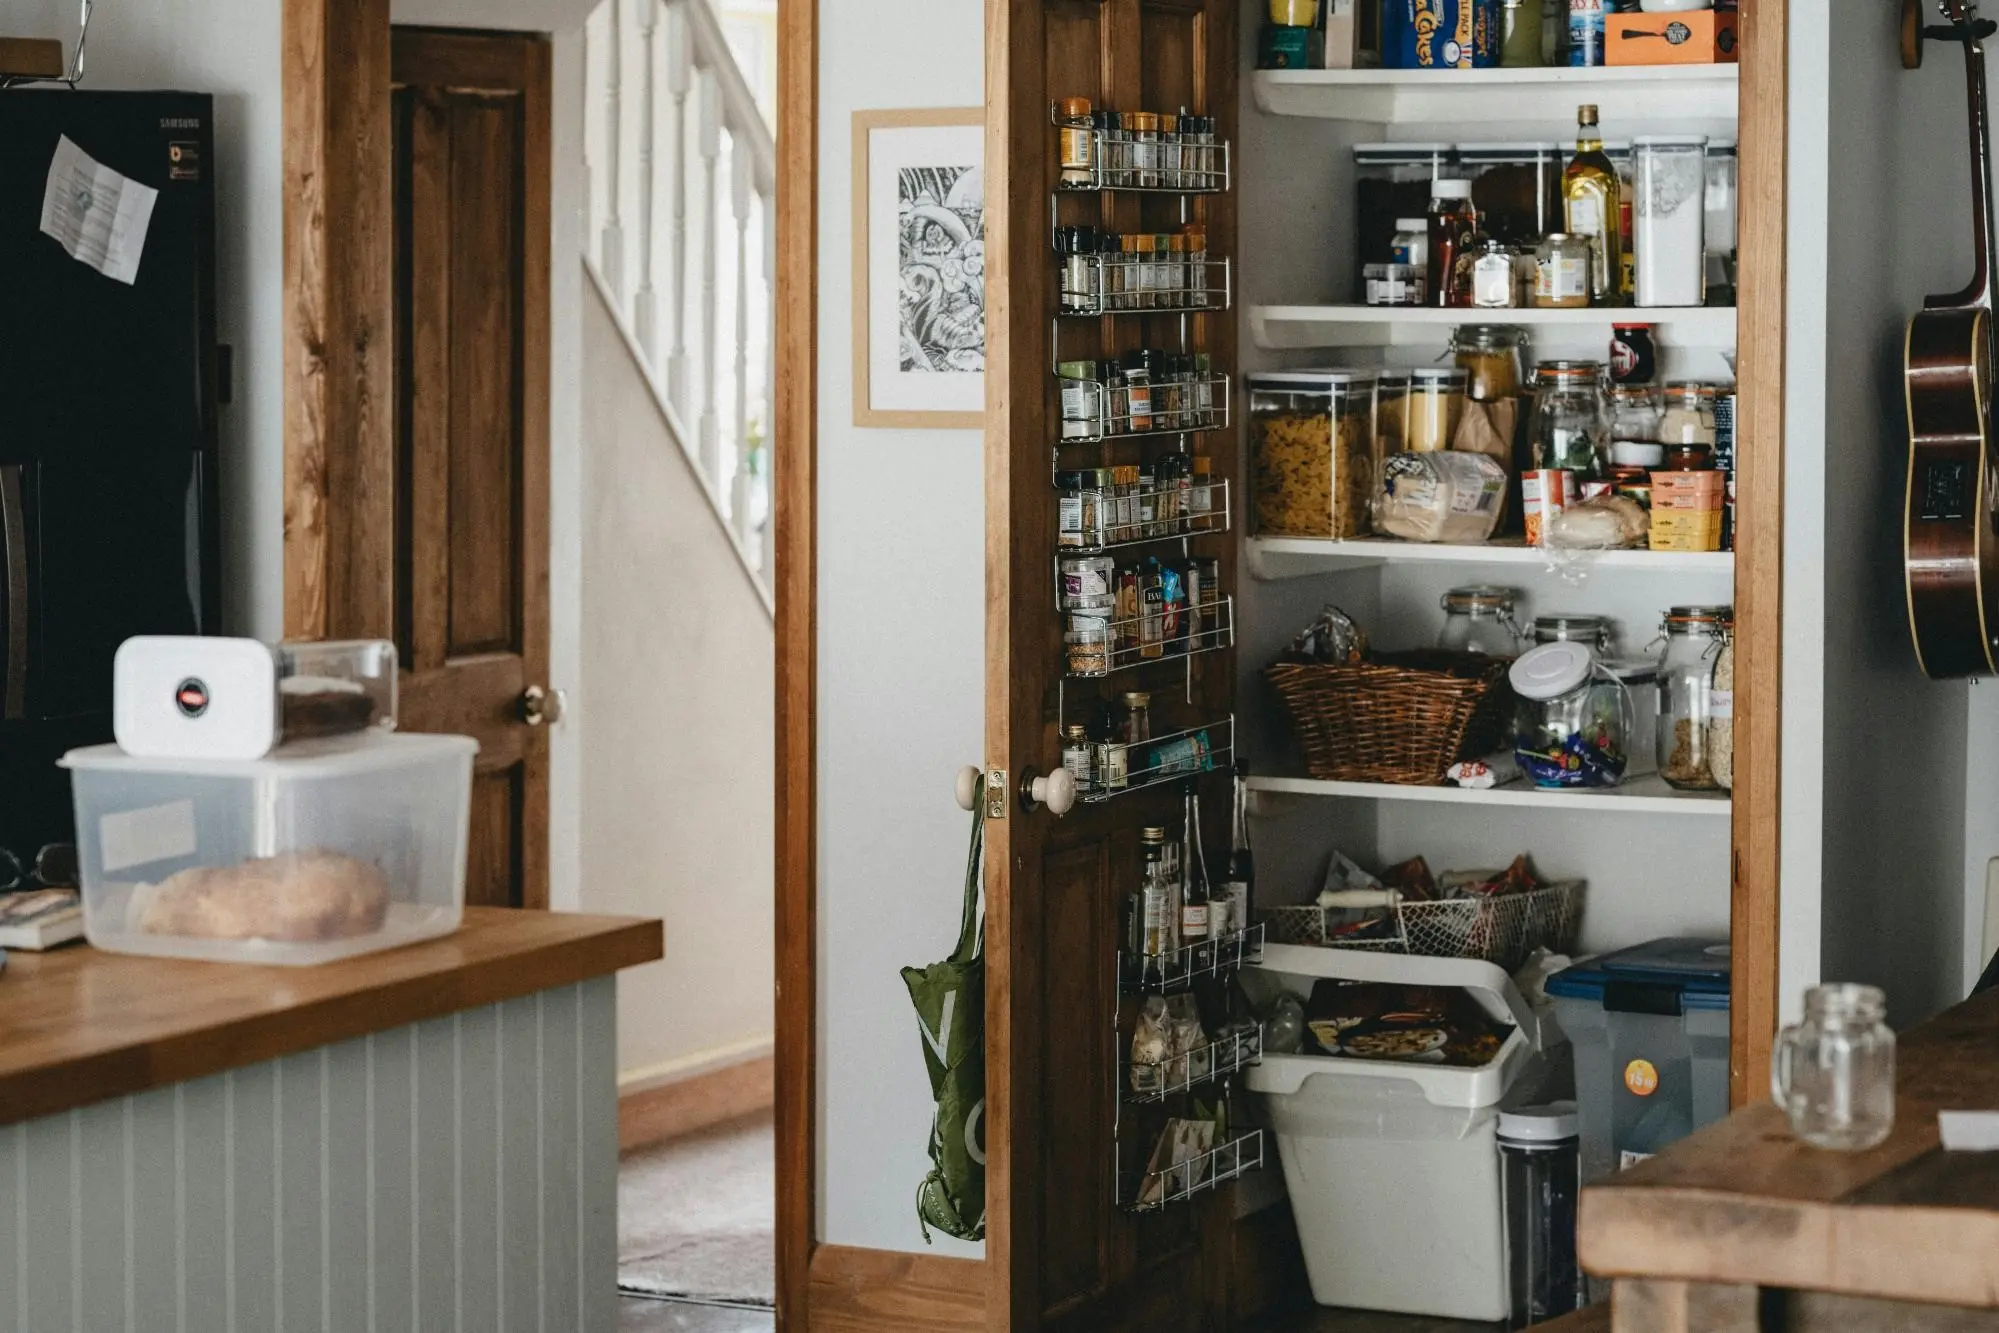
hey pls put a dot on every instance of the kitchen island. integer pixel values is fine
(1742, 1228)
(420, 1139)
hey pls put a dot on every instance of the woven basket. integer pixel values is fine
(1402, 718)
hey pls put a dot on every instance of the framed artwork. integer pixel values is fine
(919, 268)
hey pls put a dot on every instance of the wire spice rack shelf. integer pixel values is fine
(1123, 284)
(1144, 1084)
(1150, 1191)
(1107, 520)
(1173, 757)
(1170, 973)
(1147, 640)
(1155, 165)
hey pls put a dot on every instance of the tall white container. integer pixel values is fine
(1669, 184)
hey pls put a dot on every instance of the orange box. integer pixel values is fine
(1695, 37)
(1703, 490)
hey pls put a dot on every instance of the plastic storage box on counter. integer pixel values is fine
(1650, 1029)
(194, 697)
(1393, 1164)
(332, 848)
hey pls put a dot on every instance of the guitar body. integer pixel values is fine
(1949, 556)
(1950, 561)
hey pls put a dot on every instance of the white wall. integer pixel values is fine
(678, 783)
(901, 663)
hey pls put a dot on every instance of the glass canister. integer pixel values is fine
(1391, 181)
(1695, 636)
(1436, 405)
(1391, 414)
(1687, 413)
(1634, 414)
(1593, 632)
(1516, 187)
(1478, 618)
(1571, 425)
(1573, 719)
(1540, 1167)
(1312, 450)
(1668, 183)
(1489, 354)
(1834, 1072)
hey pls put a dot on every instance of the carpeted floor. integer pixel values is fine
(696, 1216)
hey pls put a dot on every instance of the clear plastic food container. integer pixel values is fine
(333, 848)
(1312, 440)
(195, 697)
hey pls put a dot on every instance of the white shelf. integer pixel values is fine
(1648, 795)
(1628, 95)
(1294, 557)
(1302, 326)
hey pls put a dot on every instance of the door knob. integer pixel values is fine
(1057, 791)
(539, 705)
(968, 786)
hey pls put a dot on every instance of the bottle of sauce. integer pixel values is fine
(1590, 204)
(1453, 228)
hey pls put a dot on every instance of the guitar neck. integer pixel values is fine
(1979, 292)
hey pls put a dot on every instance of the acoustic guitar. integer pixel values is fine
(1950, 559)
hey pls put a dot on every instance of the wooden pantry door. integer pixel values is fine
(469, 120)
(1061, 1253)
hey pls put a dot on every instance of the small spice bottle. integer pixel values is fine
(1492, 278)
(1137, 717)
(1145, 149)
(1194, 244)
(1079, 756)
(1078, 136)
(1137, 368)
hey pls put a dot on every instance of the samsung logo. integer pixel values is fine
(180, 123)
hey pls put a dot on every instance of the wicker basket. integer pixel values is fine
(1402, 718)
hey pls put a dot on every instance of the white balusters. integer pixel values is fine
(710, 100)
(739, 199)
(679, 78)
(645, 303)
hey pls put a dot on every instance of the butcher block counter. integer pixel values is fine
(1743, 1228)
(417, 1139)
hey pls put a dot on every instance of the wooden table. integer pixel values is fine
(1743, 1229)
(419, 1139)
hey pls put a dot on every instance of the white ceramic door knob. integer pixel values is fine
(1057, 791)
(968, 787)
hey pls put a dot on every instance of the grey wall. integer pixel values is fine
(458, 1173)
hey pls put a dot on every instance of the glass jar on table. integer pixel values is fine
(1834, 1072)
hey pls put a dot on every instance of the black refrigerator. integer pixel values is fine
(108, 393)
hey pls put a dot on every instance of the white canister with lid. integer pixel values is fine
(1668, 193)
(1574, 720)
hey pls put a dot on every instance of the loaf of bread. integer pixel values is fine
(297, 896)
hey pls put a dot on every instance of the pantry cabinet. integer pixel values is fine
(1070, 1243)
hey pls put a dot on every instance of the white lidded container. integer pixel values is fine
(322, 850)
(205, 697)
(1393, 1165)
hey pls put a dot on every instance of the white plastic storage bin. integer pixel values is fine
(321, 850)
(1393, 1165)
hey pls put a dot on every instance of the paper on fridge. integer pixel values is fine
(98, 215)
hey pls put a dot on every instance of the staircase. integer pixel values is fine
(681, 225)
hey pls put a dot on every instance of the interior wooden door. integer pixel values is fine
(1062, 1252)
(471, 180)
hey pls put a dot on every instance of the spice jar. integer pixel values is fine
(1561, 271)
(1688, 416)
(1079, 756)
(1312, 443)
(1571, 426)
(1479, 619)
(1695, 637)
(1137, 728)
(1078, 160)
(1436, 405)
(1493, 285)
(1411, 247)
(1573, 719)
(1489, 354)
(1082, 400)
(1566, 627)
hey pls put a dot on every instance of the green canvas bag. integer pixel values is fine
(950, 999)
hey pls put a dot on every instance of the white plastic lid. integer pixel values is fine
(1551, 670)
(1400, 152)
(1451, 189)
(1669, 141)
(337, 756)
(1637, 453)
(1411, 224)
(1507, 152)
(1554, 1123)
(1321, 378)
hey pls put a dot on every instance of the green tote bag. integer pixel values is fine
(950, 999)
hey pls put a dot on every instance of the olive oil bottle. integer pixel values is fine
(1590, 203)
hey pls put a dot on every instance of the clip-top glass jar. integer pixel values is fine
(1573, 720)
(1489, 354)
(1478, 618)
(1688, 701)
(1834, 1073)
(1571, 429)
(1568, 627)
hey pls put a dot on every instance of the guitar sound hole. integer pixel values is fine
(1945, 491)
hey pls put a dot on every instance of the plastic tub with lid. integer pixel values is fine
(1650, 1030)
(322, 850)
(1393, 1165)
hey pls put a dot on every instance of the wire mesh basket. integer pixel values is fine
(1503, 929)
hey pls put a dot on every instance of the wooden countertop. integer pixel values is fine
(77, 1025)
(1744, 1202)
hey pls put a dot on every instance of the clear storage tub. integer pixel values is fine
(322, 850)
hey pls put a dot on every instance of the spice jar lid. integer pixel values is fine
(1152, 834)
(1076, 731)
(1137, 699)
(1551, 670)
(1075, 108)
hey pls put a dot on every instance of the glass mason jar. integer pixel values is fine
(1634, 413)
(1573, 720)
(1687, 415)
(1566, 627)
(1834, 1073)
(1489, 354)
(1478, 618)
(1571, 427)
(1688, 702)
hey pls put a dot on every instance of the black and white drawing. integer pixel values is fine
(941, 248)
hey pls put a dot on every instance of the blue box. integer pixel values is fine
(1441, 34)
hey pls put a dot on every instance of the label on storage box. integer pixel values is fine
(154, 833)
(1641, 1077)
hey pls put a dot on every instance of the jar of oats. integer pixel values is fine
(1311, 436)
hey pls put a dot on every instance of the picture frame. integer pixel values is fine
(919, 268)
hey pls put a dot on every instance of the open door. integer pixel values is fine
(1065, 1249)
